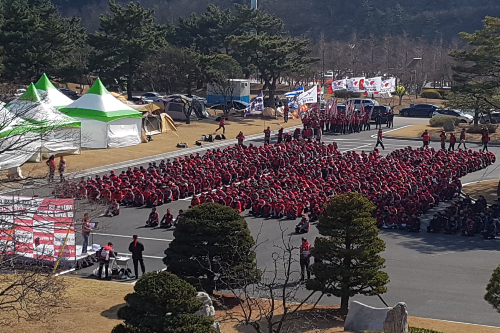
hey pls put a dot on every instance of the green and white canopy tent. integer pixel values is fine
(57, 132)
(19, 140)
(50, 94)
(106, 122)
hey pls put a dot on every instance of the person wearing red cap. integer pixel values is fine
(105, 253)
(113, 209)
(453, 140)
(136, 248)
(442, 136)
(240, 138)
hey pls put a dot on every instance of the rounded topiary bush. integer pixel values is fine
(439, 121)
(431, 93)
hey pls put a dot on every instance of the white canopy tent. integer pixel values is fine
(50, 94)
(58, 133)
(106, 121)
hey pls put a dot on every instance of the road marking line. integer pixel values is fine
(145, 256)
(394, 129)
(459, 322)
(128, 236)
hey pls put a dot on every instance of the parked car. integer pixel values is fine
(419, 110)
(464, 118)
(383, 109)
(68, 92)
(19, 92)
(492, 118)
(238, 105)
(151, 97)
(365, 101)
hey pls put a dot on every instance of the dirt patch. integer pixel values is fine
(416, 131)
(487, 189)
(92, 306)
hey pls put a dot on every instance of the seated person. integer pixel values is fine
(168, 219)
(303, 226)
(153, 218)
(177, 219)
(113, 209)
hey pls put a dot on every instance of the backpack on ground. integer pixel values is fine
(198, 143)
(223, 137)
(203, 137)
(181, 145)
(218, 137)
(210, 138)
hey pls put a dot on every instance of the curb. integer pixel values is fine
(494, 144)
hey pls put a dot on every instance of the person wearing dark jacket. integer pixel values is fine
(136, 248)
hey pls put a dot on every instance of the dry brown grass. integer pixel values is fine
(92, 306)
(487, 189)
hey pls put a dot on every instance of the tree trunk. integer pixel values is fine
(401, 99)
(344, 304)
(130, 79)
(476, 116)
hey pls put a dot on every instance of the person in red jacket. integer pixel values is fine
(453, 140)
(51, 163)
(462, 139)
(426, 138)
(267, 135)
(195, 201)
(152, 218)
(168, 219)
(305, 259)
(380, 139)
(442, 136)
(240, 138)
(286, 111)
(222, 124)
(485, 139)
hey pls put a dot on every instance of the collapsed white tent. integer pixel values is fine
(58, 133)
(106, 122)
(50, 94)
(18, 140)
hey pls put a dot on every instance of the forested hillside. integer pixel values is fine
(338, 19)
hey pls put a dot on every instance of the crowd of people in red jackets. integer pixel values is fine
(290, 179)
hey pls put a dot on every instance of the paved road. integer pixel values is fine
(438, 276)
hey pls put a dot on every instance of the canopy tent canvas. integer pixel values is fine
(18, 140)
(51, 95)
(106, 122)
(58, 133)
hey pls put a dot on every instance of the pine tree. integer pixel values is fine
(162, 303)
(212, 249)
(348, 253)
(125, 39)
(493, 290)
(35, 38)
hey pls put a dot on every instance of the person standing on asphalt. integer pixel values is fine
(136, 248)
(267, 135)
(426, 138)
(380, 139)
(390, 119)
(462, 139)
(485, 139)
(305, 259)
(443, 139)
(240, 138)
(86, 230)
(453, 140)
(105, 254)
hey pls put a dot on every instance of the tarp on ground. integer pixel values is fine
(51, 95)
(106, 122)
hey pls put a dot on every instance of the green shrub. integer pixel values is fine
(443, 93)
(431, 93)
(439, 121)
(346, 94)
(478, 129)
